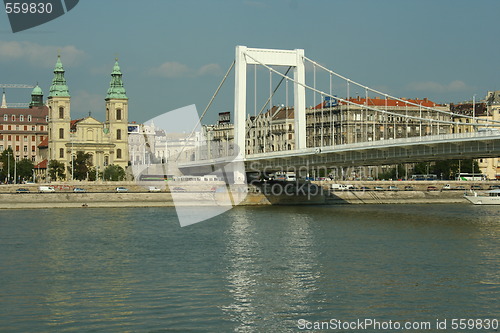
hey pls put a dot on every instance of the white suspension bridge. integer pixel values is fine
(337, 131)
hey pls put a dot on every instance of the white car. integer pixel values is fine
(121, 189)
(153, 189)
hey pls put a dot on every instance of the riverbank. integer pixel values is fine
(104, 195)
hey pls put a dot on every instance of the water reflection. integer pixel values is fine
(271, 279)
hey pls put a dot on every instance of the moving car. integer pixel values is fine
(79, 190)
(121, 189)
(153, 189)
(46, 189)
(22, 190)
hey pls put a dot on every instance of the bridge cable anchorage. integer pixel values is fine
(371, 108)
(269, 99)
(397, 98)
(206, 109)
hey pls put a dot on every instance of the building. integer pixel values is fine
(106, 142)
(23, 129)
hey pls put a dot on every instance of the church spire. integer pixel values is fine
(116, 89)
(4, 101)
(59, 87)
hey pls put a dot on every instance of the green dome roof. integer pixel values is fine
(116, 89)
(37, 91)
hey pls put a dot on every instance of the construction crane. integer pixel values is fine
(14, 85)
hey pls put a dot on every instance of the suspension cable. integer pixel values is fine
(371, 108)
(396, 98)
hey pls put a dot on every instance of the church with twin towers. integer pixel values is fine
(106, 142)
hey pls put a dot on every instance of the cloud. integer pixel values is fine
(210, 69)
(430, 86)
(173, 69)
(39, 55)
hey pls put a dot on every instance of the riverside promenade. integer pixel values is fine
(105, 195)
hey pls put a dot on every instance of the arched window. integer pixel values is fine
(61, 112)
(118, 153)
(61, 153)
(118, 114)
(61, 133)
(118, 134)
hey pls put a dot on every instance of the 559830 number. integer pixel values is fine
(25, 8)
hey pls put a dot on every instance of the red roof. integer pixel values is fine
(377, 101)
(42, 165)
(74, 122)
(44, 143)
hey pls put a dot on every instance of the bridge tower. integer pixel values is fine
(250, 56)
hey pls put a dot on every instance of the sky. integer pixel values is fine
(174, 53)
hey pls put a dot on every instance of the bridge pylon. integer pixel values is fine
(271, 57)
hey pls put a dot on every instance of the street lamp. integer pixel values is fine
(8, 167)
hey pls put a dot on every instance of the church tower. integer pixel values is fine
(117, 117)
(36, 97)
(59, 116)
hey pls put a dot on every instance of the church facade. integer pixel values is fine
(106, 142)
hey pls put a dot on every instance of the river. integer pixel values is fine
(252, 269)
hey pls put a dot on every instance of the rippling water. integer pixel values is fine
(249, 270)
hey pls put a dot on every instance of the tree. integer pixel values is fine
(82, 166)
(56, 170)
(114, 173)
(7, 160)
(25, 169)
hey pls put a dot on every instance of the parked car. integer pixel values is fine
(476, 187)
(379, 188)
(79, 190)
(494, 187)
(121, 189)
(178, 189)
(22, 190)
(364, 188)
(409, 188)
(432, 188)
(447, 187)
(393, 188)
(460, 187)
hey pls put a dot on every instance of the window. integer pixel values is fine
(17, 137)
(29, 117)
(5, 117)
(106, 160)
(9, 137)
(118, 134)
(42, 128)
(118, 114)
(61, 133)
(25, 128)
(47, 119)
(25, 138)
(1, 137)
(1, 127)
(33, 138)
(21, 118)
(33, 158)
(17, 127)
(61, 153)
(17, 148)
(1, 147)
(10, 127)
(118, 153)
(33, 128)
(33, 148)
(13, 117)
(61, 112)
(25, 149)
